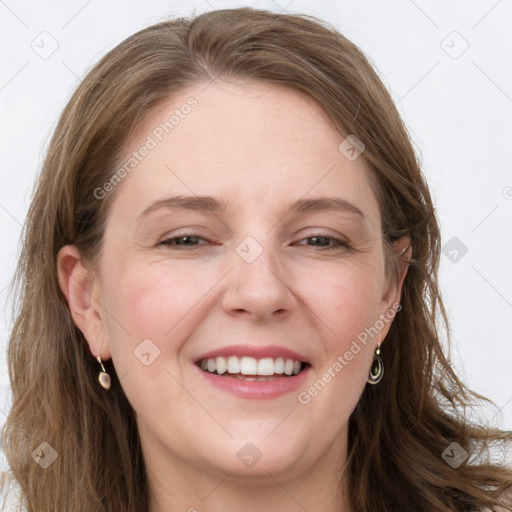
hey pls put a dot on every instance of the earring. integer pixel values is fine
(377, 368)
(103, 376)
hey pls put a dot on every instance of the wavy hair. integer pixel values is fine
(399, 429)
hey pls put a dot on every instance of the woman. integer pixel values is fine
(228, 290)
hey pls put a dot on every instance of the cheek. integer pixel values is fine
(150, 300)
(347, 299)
(147, 307)
(348, 306)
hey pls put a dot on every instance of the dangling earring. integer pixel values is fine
(103, 376)
(377, 368)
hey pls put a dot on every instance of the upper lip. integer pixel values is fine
(258, 352)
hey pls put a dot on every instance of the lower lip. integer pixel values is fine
(263, 389)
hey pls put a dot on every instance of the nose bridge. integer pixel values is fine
(258, 282)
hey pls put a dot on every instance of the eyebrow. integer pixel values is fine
(214, 205)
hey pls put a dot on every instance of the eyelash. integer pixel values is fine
(340, 242)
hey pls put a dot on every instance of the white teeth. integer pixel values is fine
(221, 364)
(233, 364)
(266, 366)
(246, 365)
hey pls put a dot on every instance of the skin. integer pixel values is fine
(258, 147)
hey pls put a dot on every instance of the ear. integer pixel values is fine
(82, 292)
(402, 252)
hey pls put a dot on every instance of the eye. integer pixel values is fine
(191, 240)
(182, 241)
(323, 246)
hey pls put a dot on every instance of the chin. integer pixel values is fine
(250, 456)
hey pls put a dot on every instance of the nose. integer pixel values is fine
(259, 289)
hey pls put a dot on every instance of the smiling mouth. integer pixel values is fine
(252, 369)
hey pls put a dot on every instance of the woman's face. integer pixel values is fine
(253, 282)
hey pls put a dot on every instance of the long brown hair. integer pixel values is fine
(399, 429)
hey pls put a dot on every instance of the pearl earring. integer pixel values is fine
(103, 376)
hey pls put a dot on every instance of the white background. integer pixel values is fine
(458, 111)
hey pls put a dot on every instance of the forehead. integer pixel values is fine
(255, 144)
